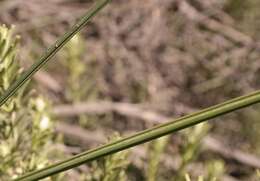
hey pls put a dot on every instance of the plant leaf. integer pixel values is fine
(52, 51)
(145, 136)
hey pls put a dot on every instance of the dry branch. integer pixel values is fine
(227, 31)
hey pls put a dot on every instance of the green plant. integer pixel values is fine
(216, 169)
(187, 178)
(110, 168)
(213, 175)
(122, 144)
(146, 136)
(155, 150)
(258, 174)
(192, 140)
(51, 51)
(79, 73)
(25, 123)
(72, 60)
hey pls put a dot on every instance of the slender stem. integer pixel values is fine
(145, 136)
(52, 51)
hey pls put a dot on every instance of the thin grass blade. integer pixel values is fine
(52, 50)
(145, 136)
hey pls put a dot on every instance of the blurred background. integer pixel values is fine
(144, 62)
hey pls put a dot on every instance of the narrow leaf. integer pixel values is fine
(52, 51)
(145, 136)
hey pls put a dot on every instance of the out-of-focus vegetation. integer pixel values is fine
(26, 126)
(163, 57)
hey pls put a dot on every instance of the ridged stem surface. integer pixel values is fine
(145, 136)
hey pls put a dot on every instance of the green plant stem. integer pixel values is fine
(52, 51)
(145, 136)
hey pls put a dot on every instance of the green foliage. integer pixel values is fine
(216, 169)
(250, 128)
(17, 110)
(193, 137)
(155, 151)
(258, 174)
(187, 178)
(146, 135)
(215, 172)
(9, 70)
(192, 140)
(110, 168)
(192, 143)
(79, 73)
(51, 51)
(73, 61)
(25, 124)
